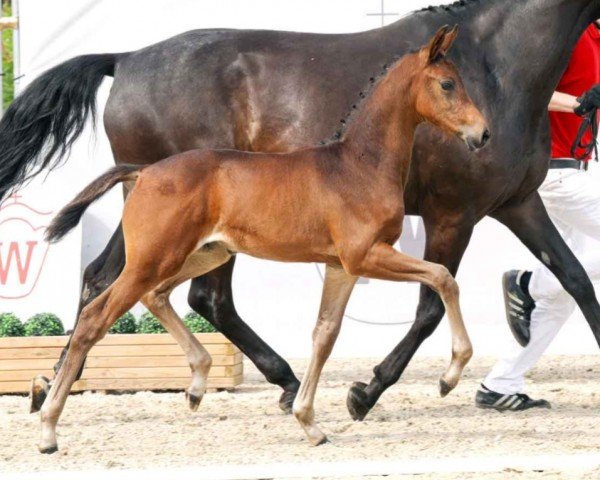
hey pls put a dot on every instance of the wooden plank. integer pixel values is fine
(14, 353)
(156, 350)
(115, 351)
(9, 22)
(132, 372)
(129, 384)
(115, 362)
(133, 339)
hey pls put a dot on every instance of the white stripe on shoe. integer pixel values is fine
(515, 298)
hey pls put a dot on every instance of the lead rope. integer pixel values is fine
(589, 123)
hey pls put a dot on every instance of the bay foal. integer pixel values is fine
(340, 204)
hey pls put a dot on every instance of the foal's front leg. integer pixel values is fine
(383, 262)
(337, 288)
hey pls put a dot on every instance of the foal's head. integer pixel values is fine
(440, 95)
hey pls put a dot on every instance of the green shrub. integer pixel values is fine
(196, 323)
(43, 325)
(125, 324)
(148, 323)
(10, 325)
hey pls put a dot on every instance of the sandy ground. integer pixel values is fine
(146, 430)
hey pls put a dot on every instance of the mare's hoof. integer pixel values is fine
(445, 389)
(193, 401)
(40, 386)
(286, 401)
(357, 401)
(48, 450)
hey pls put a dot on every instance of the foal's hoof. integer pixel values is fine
(320, 441)
(445, 388)
(40, 386)
(286, 401)
(357, 401)
(49, 449)
(193, 401)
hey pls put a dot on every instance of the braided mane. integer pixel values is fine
(364, 93)
(450, 7)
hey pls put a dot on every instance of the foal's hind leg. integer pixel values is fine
(157, 301)
(94, 322)
(336, 292)
(97, 277)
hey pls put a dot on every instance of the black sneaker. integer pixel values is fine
(518, 306)
(486, 398)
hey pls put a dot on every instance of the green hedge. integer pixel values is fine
(125, 324)
(10, 325)
(196, 323)
(48, 324)
(43, 325)
(148, 323)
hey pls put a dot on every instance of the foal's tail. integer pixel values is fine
(71, 214)
(42, 123)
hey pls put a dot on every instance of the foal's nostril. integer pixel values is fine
(485, 137)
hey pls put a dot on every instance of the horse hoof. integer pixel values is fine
(445, 389)
(357, 402)
(48, 450)
(320, 441)
(286, 401)
(193, 401)
(40, 386)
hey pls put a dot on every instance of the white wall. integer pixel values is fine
(279, 300)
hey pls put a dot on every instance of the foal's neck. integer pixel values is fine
(382, 132)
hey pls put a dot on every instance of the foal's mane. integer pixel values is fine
(457, 7)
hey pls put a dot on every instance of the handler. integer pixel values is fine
(536, 304)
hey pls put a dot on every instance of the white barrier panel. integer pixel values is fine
(279, 301)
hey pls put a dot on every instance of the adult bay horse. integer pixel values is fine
(190, 213)
(277, 91)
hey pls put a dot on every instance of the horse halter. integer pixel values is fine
(589, 123)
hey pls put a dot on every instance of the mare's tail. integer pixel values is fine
(71, 214)
(41, 124)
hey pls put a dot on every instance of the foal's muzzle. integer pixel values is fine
(478, 140)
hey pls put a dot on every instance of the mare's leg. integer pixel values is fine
(157, 301)
(211, 296)
(101, 273)
(530, 222)
(94, 322)
(384, 262)
(337, 288)
(445, 245)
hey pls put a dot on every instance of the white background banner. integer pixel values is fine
(280, 301)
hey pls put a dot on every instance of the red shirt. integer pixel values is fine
(582, 74)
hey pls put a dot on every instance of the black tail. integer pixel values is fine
(71, 214)
(42, 123)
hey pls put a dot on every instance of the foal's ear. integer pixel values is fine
(441, 42)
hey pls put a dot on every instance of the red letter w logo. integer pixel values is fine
(14, 257)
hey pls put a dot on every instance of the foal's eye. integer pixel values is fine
(447, 85)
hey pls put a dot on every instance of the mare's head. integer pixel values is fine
(440, 95)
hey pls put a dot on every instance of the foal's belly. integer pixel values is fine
(283, 245)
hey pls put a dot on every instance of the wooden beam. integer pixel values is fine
(9, 22)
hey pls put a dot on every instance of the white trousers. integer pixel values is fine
(572, 199)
